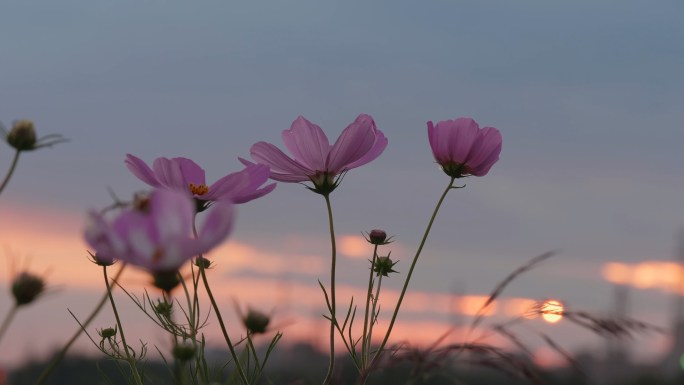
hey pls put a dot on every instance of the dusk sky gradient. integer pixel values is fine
(587, 95)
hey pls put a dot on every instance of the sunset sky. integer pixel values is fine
(587, 95)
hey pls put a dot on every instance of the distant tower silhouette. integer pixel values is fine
(618, 350)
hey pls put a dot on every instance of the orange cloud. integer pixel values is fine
(660, 275)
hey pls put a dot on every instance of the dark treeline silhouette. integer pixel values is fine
(302, 364)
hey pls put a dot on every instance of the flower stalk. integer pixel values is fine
(410, 272)
(130, 358)
(13, 166)
(333, 262)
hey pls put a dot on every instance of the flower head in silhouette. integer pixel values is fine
(315, 159)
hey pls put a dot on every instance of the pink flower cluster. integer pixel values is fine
(156, 234)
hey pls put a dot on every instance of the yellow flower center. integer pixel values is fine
(198, 189)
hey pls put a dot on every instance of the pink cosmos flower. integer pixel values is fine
(315, 159)
(157, 233)
(185, 175)
(462, 148)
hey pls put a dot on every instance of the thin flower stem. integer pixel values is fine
(374, 315)
(8, 320)
(333, 320)
(223, 327)
(365, 337)
(129, 357)
(58, 358)
(13, 166)
(203, 274)
(410, 272)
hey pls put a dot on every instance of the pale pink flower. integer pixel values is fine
(315, 159)
(185, 175)
(462, 148)
(157, 233)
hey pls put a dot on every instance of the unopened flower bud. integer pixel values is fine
(377, 237)
(26, 288)
(166, 280)
(164, 309)
(203, 263)
(22, 136)
(107, 332)
(384, 266)
(256, 322)
(183, 352)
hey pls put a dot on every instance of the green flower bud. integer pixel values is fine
(164, 309)
(107, 333)
(384, 266)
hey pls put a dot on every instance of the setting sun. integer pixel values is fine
(552, 311)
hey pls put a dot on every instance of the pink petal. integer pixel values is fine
(456, 138)
(258, 175)
(216, 227)
(169, 174)
(308, 143)
(258, 193)
(192, 173)
(282, 167)
(141, 170)
(229, 186)
(434, 143)
(355, 141)
(485, 151)
(375, 151)
(171, 213)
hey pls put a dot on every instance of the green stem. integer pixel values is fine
(238, 366)
(11, 171)
(58, 358)
(408, 276)
(374, 315)
(365, 337)
(8, 320)
(129, 357)
(202, 273)
(331, 365)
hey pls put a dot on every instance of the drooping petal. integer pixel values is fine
(282, 167)
(258, 193)
(375, 151)
(280, 177)
(355, 141)
(308, 143)
(216, 227)
(141, 170)
(230, 186)
(169, 174)
(485, 151)
(242, 186)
